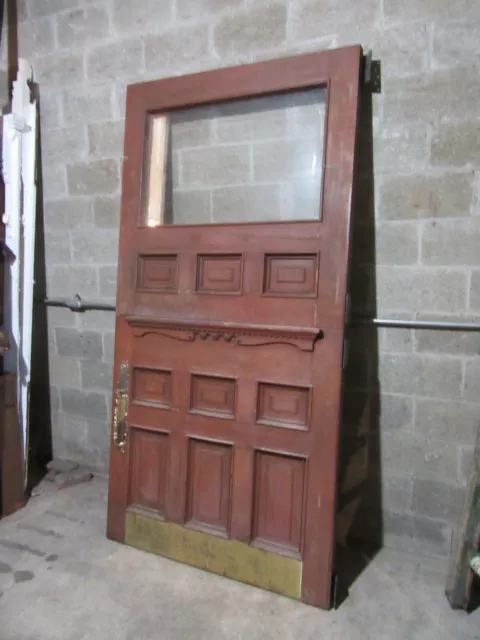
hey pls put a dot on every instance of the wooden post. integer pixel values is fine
(11, 453)
(12, 494)
(467, 544)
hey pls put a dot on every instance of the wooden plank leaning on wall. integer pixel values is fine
(12, 495)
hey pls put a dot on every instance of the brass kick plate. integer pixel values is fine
(229, 558)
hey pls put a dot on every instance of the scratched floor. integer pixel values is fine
(60, 578)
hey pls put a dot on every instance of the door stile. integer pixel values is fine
(242, 492)
(322, 474)
(176, 501)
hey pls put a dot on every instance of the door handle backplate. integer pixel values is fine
(120, 413)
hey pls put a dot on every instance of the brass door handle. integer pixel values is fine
(120, 414)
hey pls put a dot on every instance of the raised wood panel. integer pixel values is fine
(221, 274)
(152, 387)
(291, 275)
(148, 469)
(213, 396)
(209, 470)
(278, 494)
(157, 273)
(283, 406)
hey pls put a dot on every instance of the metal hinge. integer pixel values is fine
(345, 353)
(372, 75)
(348, 308)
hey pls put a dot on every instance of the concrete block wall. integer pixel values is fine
(422, 388)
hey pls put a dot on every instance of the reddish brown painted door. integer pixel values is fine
(230, 314)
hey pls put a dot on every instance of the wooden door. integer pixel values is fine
(233, 261)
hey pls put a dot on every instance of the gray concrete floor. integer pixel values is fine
(61, 578)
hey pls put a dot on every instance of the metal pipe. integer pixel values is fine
(78, 304)
(417, 324)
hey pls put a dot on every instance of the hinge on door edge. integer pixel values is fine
(367, 74)
(345, 354)
(345, 340)
(348, 308)
(372, 76)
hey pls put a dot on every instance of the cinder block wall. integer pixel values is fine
(420, 257)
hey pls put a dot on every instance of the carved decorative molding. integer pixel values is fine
(243, 334)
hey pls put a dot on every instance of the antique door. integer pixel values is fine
(233, 261)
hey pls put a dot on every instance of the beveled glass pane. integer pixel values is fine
(251, 160)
